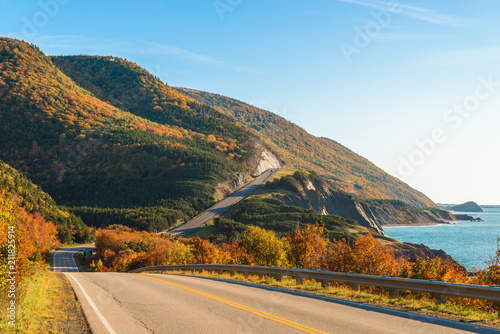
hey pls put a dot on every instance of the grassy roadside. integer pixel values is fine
(45, 304)
(424, 306)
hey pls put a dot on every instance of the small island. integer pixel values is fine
(467, 207)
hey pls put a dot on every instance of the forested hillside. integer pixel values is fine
(102, 161)
(22, 196)
(299, 149)
(129, 87)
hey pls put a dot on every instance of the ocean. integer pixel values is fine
(470, 243)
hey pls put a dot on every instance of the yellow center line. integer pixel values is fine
(241, 307)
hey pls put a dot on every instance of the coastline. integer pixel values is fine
(418, 224)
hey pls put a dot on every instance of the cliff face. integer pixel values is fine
(308, 190)
(229, 187)
(267, 161)
(317, 194)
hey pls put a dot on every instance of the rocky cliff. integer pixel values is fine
(267, 161)
(310, 191)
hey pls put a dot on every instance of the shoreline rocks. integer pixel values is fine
(467, 218)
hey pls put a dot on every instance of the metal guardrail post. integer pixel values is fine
(440, 298)
(393, 293)
(298, 280)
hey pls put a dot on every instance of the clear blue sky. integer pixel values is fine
(374, 75)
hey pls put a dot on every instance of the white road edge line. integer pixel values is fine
(96, 310)
(74, 263)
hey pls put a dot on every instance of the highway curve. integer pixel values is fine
(202, 219)
(154, 303)
(63, 260)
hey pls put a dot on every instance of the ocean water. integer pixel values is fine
(470, 243)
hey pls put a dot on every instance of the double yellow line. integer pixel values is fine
(240, 306)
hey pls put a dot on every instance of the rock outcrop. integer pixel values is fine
(310, 191)
(267, 161)
(317, 194)
(468, 218)
(231, 186)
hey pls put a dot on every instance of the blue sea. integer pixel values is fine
(470, 243)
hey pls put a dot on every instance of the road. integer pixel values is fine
(154, 303)
(202, 219)
(63, 260)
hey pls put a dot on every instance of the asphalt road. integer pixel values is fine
(63, 260)
(202, 219)
(153, 303)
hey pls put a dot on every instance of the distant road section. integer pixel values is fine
(202, 219)
(63, 260)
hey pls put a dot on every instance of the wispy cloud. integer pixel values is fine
(461, 57)
(148, 47)
(417, 13)
(408, 36)
(76, 44)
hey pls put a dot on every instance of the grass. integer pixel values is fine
(45, 303)
(423, 305)
(282, 172)
(203, 232)
(72, 245)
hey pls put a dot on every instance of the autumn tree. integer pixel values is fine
(308, 249)
(265, 247)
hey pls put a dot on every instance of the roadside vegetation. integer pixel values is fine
(45, 304)
(31, 227)
(122, 249)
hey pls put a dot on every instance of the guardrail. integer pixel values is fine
(439, 290)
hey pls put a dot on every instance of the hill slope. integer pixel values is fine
(349, 171)
(129, 87)
(310, 191)
(88, 153)
(32, 199)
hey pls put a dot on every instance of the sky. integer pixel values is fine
(413, 86)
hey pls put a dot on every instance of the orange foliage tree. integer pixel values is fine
(308, 249)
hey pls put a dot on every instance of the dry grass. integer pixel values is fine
(46, 304)
(282, 172)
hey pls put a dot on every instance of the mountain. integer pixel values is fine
(106, 163)
(129, 87)
(299, 149)
(115, 145)
(29, 198)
